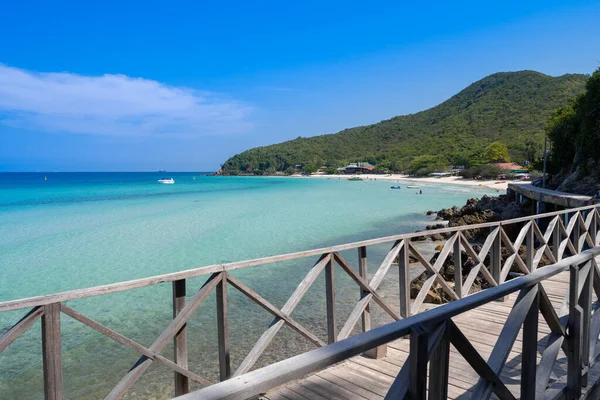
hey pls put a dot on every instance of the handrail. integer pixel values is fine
(215, 268)
(259, 381)
(501, 252)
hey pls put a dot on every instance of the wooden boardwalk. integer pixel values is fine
(562, 199)
(367, 378)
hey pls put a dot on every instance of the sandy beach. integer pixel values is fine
(453, 180)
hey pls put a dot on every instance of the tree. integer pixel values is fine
(575, 129)
(423, 165)
(496, 152)
(310, 169)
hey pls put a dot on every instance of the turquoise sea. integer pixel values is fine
(76, 230)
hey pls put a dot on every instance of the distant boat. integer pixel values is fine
(356, 178)
(395, 187)
(162, 170)
(169, 181)
(412, 187)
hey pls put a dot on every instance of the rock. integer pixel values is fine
(431, 212)
(478, 211)
(439, 248)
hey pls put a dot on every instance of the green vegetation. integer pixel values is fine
(508, 107)
(574, 130)
(496, 152)
(487, 171)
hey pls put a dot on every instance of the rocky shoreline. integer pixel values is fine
(475, 211)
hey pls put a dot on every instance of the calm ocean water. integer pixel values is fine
(77, 230)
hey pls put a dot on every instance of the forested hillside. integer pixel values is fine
(512, 107)
(574, 131)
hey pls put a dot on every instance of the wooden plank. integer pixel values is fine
(17, 329)
(507, 338)
(350, 385)
(296, 367)
(364, 273)
(403, 279)
(458, 276)
(574, 356)
(373, 284)
(304, 392)
(364, 378)
(365, 286)
(223, 329)
(585, 301)
(439, 368)
(180, 356)
(132, 344)
(480, 267)
(496, 257)
(287, 309)
(330, 302)
(434, 270)
(529, 350)
(159, 344)
(470, 354)
(329, 389)
(417, 372)
(52, 353)
(258, 299)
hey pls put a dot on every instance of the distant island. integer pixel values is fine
(500, 118)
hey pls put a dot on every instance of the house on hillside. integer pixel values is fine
(512, 168)
(358, 168)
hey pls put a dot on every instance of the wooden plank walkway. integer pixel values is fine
(562, 199)
(366, 378)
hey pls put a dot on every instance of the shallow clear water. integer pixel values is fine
(84, 229)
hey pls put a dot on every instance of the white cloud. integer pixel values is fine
(114, 105)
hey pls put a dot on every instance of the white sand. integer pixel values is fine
(454, 180)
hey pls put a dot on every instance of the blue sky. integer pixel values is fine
(133, 86)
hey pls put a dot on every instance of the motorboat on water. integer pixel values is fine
(412, 187)
(167, 181)
(395, 187)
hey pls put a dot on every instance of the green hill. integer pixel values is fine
(512, 107)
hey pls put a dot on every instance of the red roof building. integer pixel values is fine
(510, 166)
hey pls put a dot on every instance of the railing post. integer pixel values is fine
(574, 335)
(362, 270)
(594, 226)
(496, 258)
(576, 233)
(330, 295)
(585, 302)
(529, 350)
(439, 367)
(530, 248)
(223, 328)
(180, 356)
(417, 370)
(458, 276)
(52, 353)
(379, 351)
(403, 281)
(556, 239)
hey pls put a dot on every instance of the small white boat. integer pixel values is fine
(169, 181)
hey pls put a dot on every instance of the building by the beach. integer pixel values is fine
(512, 168)
(357, 168)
